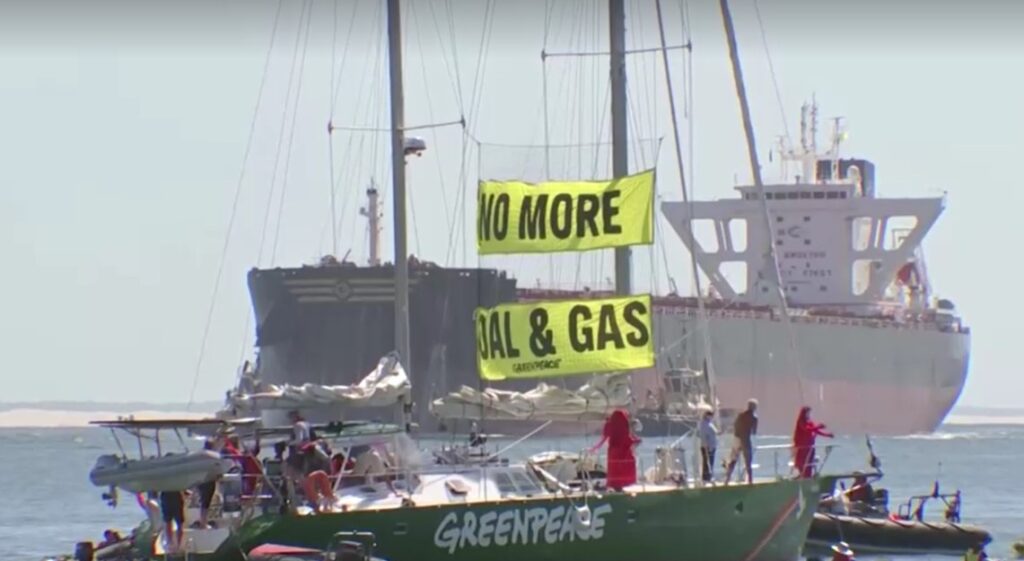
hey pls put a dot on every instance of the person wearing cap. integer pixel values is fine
(708, 434)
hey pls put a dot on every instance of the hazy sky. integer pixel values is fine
(124, 126)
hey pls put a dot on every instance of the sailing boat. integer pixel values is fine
(519, 511)
(507, 511)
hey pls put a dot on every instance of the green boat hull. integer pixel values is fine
(765, 522)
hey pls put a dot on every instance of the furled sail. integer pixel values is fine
(387, 384)
(593, 401)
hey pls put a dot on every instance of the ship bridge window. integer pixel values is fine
(842, 194)
(833, 195)
(819, 194)
(792, 195)
(805, 194)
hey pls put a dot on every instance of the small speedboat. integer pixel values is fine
(868, 527)
(173, 472)
(893, 536)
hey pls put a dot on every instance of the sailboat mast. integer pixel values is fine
(741, 93)
(771, 258)
(398, 183)
(620, 138)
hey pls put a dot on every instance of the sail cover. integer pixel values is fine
(593, 401)
(387, 384)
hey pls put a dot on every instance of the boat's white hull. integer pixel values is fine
(858, 376)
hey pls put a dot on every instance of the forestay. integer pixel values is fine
(593, 401)
(387, 384)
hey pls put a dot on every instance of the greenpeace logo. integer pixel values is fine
(536, 365)
(518, 526)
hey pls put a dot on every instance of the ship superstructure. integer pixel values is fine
(865, 342)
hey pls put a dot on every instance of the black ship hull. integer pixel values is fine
(331, 324)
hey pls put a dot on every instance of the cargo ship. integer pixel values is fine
(861, 339)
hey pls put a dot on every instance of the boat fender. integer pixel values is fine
(583, 515)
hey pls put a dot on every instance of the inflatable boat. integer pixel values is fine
(173, 472)
(870, 535)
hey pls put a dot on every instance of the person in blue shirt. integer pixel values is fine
(708, 434)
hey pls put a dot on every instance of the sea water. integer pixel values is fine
(49, 503)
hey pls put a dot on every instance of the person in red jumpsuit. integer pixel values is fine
(804, 436)
(621, 441)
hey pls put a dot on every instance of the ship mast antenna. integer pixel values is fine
(373, 215)
(837, 138)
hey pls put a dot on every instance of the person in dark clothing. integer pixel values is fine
(172, 508)
(206, 492)
(744, 429)
(861, 491)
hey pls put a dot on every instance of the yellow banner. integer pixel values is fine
(518, 217)
(547, 339)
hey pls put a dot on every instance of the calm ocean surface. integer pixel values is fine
(50, 504)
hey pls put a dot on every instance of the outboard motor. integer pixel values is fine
(84, 551)
(351, 551)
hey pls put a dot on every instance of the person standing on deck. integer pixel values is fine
(805, 434)
(207, 490)
(621, 441)
(743, 430)
(708, 443)
(172, 507)
(246, 457)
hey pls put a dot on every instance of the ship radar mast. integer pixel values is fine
(807, 154)
(373, 215)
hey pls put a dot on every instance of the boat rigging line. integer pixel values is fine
(461, 121)
(685, 46)
(701, 310)
(291, 137)
(755, 169)
(234, 210)
(301, 31)
(771, 71)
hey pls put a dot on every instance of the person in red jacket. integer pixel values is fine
(621, 441)
(804, 436)
(252, 470)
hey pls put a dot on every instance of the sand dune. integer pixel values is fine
(50, 418)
